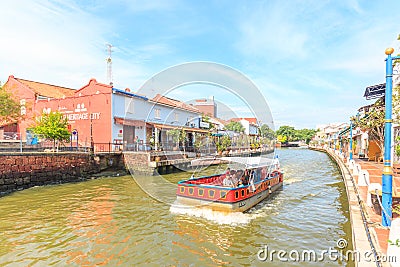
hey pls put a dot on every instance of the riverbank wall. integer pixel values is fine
(366, 242)
(23, 170)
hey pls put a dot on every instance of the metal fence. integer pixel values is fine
(43, 145)
(8, 136)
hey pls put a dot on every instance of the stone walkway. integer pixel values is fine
(375, 176)
(357, 176)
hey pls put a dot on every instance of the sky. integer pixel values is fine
(311, 60)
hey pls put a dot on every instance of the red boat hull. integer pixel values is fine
(207, 192)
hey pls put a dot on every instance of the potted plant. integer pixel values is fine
(151, 141)
(175, 134)
(198, 143)
(223, 143)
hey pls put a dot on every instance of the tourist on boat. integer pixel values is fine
(236, 178)
(263, 173)
(252, 176)
(228, 181)
(244, 179)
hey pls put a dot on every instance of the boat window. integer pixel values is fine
(223, 194)
(201, 192)
(191, 190)
(182, 190)
(211, 193)
(247, 191)
(236, 194)
(242, 193)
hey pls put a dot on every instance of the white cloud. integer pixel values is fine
(60, 43)
(50, 42)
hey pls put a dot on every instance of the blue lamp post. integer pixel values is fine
(387, 175)
(351, 141)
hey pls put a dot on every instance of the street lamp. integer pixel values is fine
(387, 175)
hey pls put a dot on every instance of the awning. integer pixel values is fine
(344, 131)
(169, 127)
(375, 91)
(128, 122)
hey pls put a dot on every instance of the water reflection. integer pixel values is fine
(112, 222)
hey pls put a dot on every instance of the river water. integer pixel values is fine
(111, 221)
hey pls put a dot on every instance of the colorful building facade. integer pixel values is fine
(106, 117)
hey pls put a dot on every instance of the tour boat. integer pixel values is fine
(209, 191)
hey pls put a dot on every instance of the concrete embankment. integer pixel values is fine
(368, 241)
(23, 170)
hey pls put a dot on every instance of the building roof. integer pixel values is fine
(174, 103)
(47, 90)
(128, 93)
(218, 120)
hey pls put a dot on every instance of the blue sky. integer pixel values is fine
(311, 59)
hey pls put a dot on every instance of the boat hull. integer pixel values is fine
(238, 206)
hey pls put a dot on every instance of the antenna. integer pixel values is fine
(109, 64)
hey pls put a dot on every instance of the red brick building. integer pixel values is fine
(101, 114)
(28, 93)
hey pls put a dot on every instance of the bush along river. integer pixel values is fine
(111, 221)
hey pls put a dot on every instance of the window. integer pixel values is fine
(236, 194)
(191, 190)
(223, 194)
(157, 112)
(182, 190)
(176, 116)
(242, 192)
(211, 193)
(201, 192)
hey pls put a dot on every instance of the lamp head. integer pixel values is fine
(389, 51)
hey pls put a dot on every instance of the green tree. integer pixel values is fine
(53, 126)
(175, 134)
(306, 135)
(282, 138)
(206, 118)
(178, 136)
(223, 143)
(235, 126)
(287, 131)
(267, 132)
(10, 110)
(374, 122)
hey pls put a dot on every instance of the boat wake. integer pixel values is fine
(219, 217)
(289, 181)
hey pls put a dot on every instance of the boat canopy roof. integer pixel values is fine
(250, 162)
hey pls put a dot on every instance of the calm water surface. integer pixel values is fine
(111, 221)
